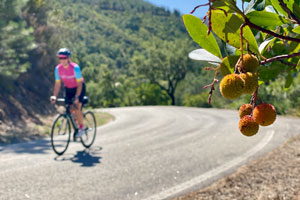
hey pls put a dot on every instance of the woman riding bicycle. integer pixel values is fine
(69, 73)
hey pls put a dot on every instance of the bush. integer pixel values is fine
(198, 100)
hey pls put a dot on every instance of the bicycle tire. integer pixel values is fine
(90, 126)
(60, 134)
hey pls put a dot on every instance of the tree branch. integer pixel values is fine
(250, 24)
(198, 7)
(286, 9)
(279, 58)
(289, 64)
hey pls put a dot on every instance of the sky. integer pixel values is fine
(183, 6)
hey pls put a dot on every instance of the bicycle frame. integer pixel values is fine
(71, 117)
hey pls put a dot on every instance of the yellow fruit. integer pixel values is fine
(232, 86)
(245, 109)
(248, 126)
(264, 114)
(250, 63)
(251, 82)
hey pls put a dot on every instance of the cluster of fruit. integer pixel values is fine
(263, 114)
(245, 81)
(233, 86)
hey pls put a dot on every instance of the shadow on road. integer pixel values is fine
(87, 158)
(33, 147)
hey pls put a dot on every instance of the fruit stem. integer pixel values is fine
(212, 85)
(236, 70)
(254, 98)
(207, 4)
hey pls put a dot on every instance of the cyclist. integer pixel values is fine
(69, 73)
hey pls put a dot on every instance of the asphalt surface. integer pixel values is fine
(145, 153)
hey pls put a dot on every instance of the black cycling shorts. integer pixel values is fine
(71, 92)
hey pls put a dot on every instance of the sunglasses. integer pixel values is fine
(63, 58)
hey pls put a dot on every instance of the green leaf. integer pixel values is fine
(227, 27)
(270, 72)
(278, 7)
(221, 5)
(263, 46)
(228, 64)
(198, 31)
(260, 82)
(255, 4)
(250, 6)
(260, 5)
(263, 18)
(298, 65)
(203, 55)
(296, 30)
(294, 46)
(289, 81)
(226, 5)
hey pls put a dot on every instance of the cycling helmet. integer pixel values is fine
(64, 52)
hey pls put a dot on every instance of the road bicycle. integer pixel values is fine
(65, 123)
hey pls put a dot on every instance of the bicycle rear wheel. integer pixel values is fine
(90, 126)
(60, 134)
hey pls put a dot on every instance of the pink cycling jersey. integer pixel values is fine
(70, 75)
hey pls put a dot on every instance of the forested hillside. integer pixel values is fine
(115, 41)
(130, 52)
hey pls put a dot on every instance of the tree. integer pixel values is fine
(164, 64)
(104, 92)
(16, 39)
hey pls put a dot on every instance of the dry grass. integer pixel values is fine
(31, 131)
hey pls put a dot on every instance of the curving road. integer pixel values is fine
(146, 153)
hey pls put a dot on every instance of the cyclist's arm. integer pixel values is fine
(57, 83)
(56, 88)
(79, 88)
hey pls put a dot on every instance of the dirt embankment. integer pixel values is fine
(275, 176)
(23, 104)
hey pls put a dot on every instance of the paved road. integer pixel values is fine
(145, 153)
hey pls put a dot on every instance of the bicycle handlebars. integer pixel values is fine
(85, 100)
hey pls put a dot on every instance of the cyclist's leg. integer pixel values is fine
(78, 111)
(78, 114)
(69, 97)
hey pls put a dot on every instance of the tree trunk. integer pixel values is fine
(172, 98)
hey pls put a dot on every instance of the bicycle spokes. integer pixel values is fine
(63, 125)
(60, 134)
(90, 129)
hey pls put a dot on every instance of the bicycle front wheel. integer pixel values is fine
(60, 134)
(90, 126)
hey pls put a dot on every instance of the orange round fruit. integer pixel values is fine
(245, 109)
(248, 126)
(232, 86)
(264, 114)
